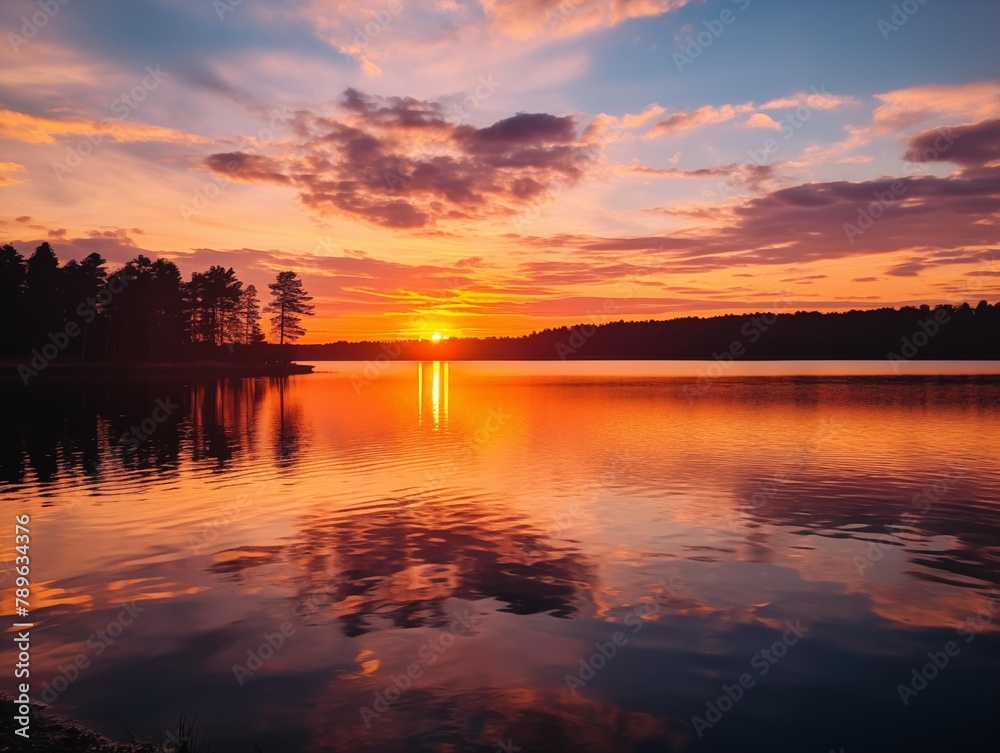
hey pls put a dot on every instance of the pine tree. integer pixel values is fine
(43, 295)
(213, 306)
(290, 304)
(13, 271)
(249, 311)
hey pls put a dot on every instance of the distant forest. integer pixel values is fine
(942, 332)
(80, 312)
(145, 311)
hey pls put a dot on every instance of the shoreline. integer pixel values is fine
(50, 731)
(9, 371)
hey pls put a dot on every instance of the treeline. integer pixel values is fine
(942, 332)
(143, 311)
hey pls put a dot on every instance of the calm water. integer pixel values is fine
(492, 528)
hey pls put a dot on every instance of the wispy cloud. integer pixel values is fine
(33, 129)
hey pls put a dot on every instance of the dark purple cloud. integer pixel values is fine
(399, 163)
(941, 221)
(248, 167)
(971, 146)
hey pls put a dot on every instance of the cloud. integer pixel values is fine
(362, 31)
(857, 159)
(9, 167)
(400, 163)
(710, 114)
(805, 278)
(707, 115)
(975, 145)
(908, 269)
(342, 24)
(603, 129)
(608, 129)
(636, 121)
(524, 19)
(817, 154)
(905, 108)
(252, 168)
(34, 129)
(749, 174)
(760, 120)
(900, 110)
(113, 243)
(814, 100)
(931, 222)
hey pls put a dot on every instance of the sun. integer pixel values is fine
(436, 337)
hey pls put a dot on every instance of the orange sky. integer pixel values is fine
(479, 169)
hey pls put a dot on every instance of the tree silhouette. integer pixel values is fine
(249, 313)
(145, 311)
(44, 304)
(83, 282)
(213, 306)
(290, 304)
(13, 272)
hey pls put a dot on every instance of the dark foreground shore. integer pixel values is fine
(51, 733)
(23, 373)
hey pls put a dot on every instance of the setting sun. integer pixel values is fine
(437, 337)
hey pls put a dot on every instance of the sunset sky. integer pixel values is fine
(498, 166)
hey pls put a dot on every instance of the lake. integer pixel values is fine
(520, 556)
